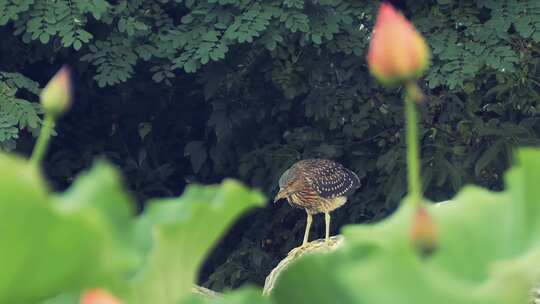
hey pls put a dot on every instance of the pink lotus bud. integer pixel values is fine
(423, 232)
(98, 296)
(397, 52)
(56, 96)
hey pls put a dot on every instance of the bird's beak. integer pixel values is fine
(281, 195)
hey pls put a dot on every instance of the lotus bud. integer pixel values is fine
(423, 232)
(56, 96)
(98, 296)
(397, 52)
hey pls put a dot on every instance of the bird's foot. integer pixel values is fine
(329, 242)
(299, 249)
(304, 246)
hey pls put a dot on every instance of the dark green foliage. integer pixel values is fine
(177, 91)
(17, 113)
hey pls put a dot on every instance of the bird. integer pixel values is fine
(317, 186)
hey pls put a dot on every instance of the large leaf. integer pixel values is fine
(197, 152)
(177, 234)
(488, 253)
(49, 245)
(99, 200)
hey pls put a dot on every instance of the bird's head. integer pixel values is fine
(288, 183)
(282, 194)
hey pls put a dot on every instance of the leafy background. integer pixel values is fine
(175, 92)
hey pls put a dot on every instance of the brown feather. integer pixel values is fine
(318, 185)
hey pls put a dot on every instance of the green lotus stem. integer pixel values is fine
(43, 141)
(413, 154)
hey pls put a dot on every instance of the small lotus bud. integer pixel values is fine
(56, 96)
(423, 232)
(397, 52)
(98, 296)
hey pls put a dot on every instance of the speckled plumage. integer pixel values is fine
(318, 186)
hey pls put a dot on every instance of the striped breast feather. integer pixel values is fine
(331, 179)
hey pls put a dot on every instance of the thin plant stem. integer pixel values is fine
(413, 154)
(43, 141)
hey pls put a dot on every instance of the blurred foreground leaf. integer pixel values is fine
(178, 233)
(54, 244)
(247, 295)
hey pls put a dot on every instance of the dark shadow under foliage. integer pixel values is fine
(175, 93)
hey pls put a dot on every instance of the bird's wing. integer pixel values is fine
(331, 179)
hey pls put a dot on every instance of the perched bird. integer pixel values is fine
(318, 186)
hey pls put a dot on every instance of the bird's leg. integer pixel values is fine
(308, 226)
(327, 222)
